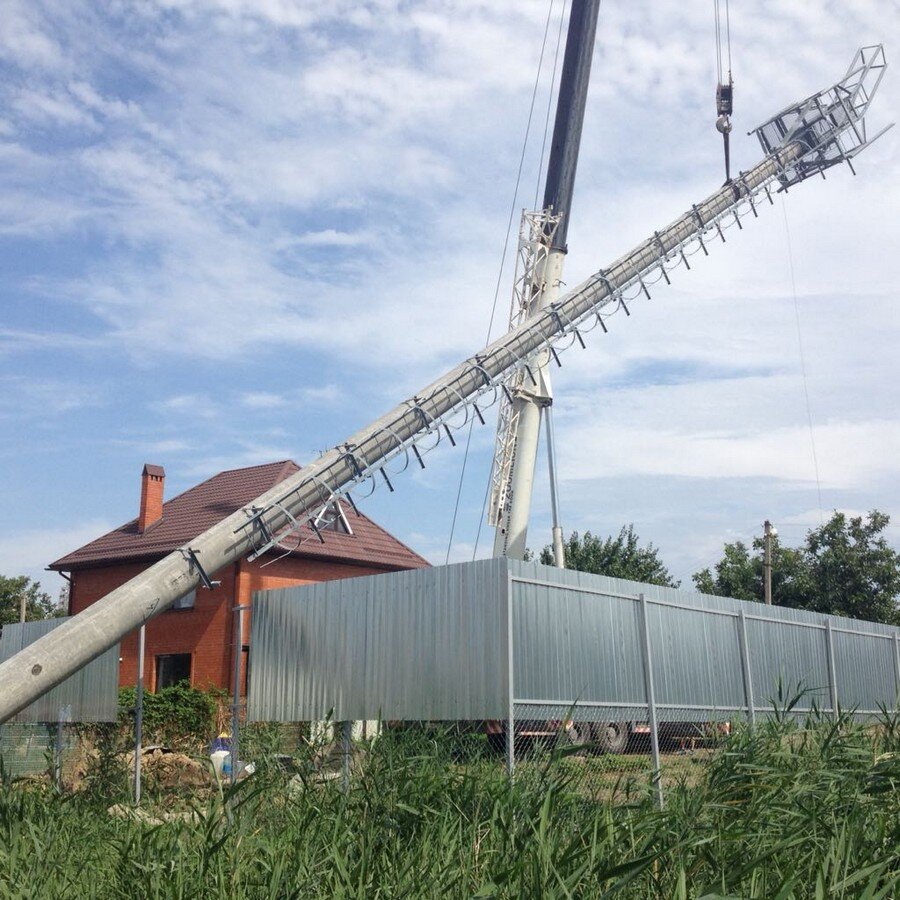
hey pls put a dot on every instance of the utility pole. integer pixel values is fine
(769, 532)
(23, 605)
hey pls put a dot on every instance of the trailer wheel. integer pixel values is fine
(610, 737)
(573, 734)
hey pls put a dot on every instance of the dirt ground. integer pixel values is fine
(161, 770)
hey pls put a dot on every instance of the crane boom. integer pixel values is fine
(519, 419)
(292, 504)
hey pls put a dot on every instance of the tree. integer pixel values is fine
(845, 567)
(741, 574)
(617, 557)
(855, 572)
(38, 603)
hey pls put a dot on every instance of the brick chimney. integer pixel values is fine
(153, 479)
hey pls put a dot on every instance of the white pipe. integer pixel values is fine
(559, 555)
(139, 715)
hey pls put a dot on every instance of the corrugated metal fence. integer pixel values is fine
(428, 645)
(36, 738)
(434, 644)
(90, 695)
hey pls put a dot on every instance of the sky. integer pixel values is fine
(236, 231)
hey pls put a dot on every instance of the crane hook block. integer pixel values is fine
(725, 99)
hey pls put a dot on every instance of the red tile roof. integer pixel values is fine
(193, 512)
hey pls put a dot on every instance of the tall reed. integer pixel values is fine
(807, 809)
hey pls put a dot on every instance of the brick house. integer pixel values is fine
(194, 639)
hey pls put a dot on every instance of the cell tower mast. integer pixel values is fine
(805, 139)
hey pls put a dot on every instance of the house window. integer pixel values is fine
(172, 669)
(185, 602)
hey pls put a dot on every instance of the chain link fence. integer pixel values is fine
(27, 749)
(42, 739)
(512, 668)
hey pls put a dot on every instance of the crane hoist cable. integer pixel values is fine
(724, 88)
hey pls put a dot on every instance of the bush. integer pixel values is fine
(178, 716)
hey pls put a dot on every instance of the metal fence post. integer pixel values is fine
(236, 697)
(832, 673)
(745, 666)
(345, 755)
(897, 668)
(651, 700)
(139, 716)
(511, 703)
(63, 716)
(57, 750)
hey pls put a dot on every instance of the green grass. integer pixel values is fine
(785, 811)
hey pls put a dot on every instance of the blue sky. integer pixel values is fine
(235, 231)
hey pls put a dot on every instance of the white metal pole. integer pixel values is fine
(559, 188)
(647, 655)
(139, 715)
(559, 555)
(57, 753)
(767, 564)
(236, 690)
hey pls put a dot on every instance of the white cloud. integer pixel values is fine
(52, 109)
(251, 453)
(12, 340)
(262, 400)
(30, 551)
(324, 395)
(192, 404)
(159, 449)
(22, 39)
(22, 397)
(283, 204)
(330, 238)
(296, 14)
(850, 455)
